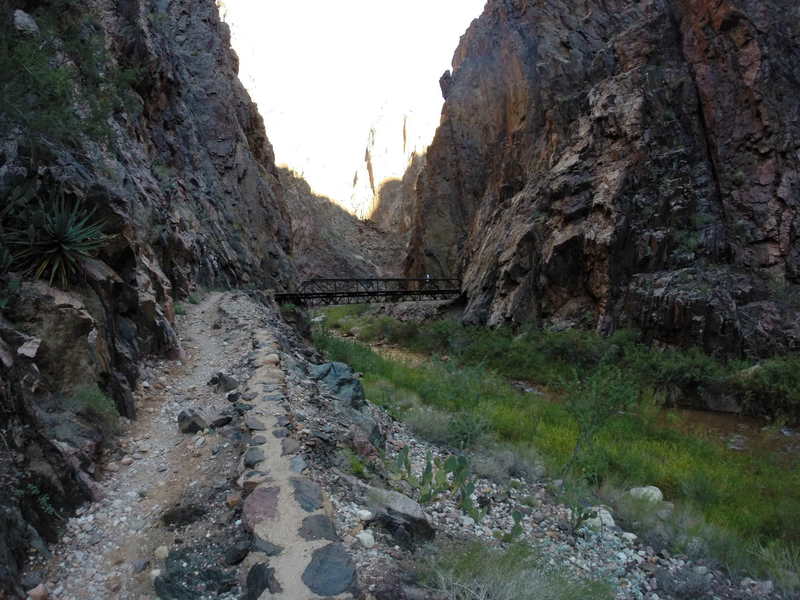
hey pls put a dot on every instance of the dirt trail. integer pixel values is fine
(115, 548)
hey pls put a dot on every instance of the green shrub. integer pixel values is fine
(429, 424)
(780, 562)
(475, 571)
(353, 463)
(736, 499)
(592, 401)
(772, 386)
(60, 84)
(96, 408)
(465, 429)
(503, 461)
(36, 497)
(90, 402)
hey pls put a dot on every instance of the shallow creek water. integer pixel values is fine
(737, 433)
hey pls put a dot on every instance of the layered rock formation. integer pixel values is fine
(188, 190)
(329, 242)
(186, 185)
(636, 163)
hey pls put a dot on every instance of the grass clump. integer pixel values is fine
(90, 402)
(477, 572)
(601, 426)
(551, 358)
(353, 463)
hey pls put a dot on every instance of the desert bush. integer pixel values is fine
(60, 84)
(592, 401)
(478, 572)
(429, 424)
(503, 461)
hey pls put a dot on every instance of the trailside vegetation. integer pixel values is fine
(599, 418)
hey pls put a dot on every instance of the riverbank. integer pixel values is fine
(737, 507)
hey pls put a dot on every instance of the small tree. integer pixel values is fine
(592, 401)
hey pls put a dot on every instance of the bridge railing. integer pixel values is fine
(336, 286)
(359, 290)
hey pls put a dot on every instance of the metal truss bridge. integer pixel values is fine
(317, 292)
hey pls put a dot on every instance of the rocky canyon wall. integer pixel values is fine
(626, 164)
(330, 242)
(384, 185)
(185, 183)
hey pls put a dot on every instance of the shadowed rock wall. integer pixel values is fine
(634, 163)
(187, 186)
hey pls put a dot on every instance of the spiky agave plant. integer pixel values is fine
(60, 235)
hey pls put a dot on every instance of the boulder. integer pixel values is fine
(400, 515)
(25, 23)
(191, 422)
(181, 516)
(602, 519)
(366, 539)
(260, 506)
(318, 527)
(222, 382)
(342, 381)
(331, 571)
(260, 579)
(649, 493)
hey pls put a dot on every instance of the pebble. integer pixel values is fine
(365, 515)
(38, 593)
(161, 552)
(366, 539)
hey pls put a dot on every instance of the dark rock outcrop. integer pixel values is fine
(635, 162)
(186, 184)
(47, 458)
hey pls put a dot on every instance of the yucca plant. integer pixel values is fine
(59, 237)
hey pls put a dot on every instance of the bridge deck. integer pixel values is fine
(316, 292)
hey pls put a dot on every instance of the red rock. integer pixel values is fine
(261, 505)
(627, 167)
(39, 593)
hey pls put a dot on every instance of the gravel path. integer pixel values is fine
(109, 549)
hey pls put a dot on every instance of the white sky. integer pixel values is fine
(321, 70)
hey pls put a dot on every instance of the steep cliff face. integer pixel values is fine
(184, 180)
(384, 185)
(329, 242)
(634, 163)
